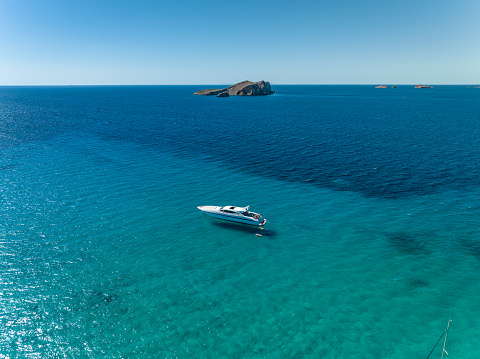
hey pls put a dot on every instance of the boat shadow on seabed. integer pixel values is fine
(246, 229)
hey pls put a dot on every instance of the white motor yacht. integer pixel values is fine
(234, 214)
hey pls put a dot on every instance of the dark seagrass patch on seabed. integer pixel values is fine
(418, 283)
(472, 247)
(7, 167)
(407, 243)
(97, 297)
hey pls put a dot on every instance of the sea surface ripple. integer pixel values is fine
(371, 246)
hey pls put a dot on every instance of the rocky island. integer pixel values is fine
(423, 87)
(244, 88)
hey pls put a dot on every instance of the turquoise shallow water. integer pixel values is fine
(104, 254)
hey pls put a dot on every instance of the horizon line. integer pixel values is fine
(220, 84)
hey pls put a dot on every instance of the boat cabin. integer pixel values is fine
(235, 210)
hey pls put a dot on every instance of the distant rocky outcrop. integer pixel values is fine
(423, 87)
(381, 87)
(244, 88)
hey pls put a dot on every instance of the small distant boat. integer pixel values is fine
(234, 214)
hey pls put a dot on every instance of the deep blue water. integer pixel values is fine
(398, 143)
(371, 197)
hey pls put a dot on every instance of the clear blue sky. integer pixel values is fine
(62, 42)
